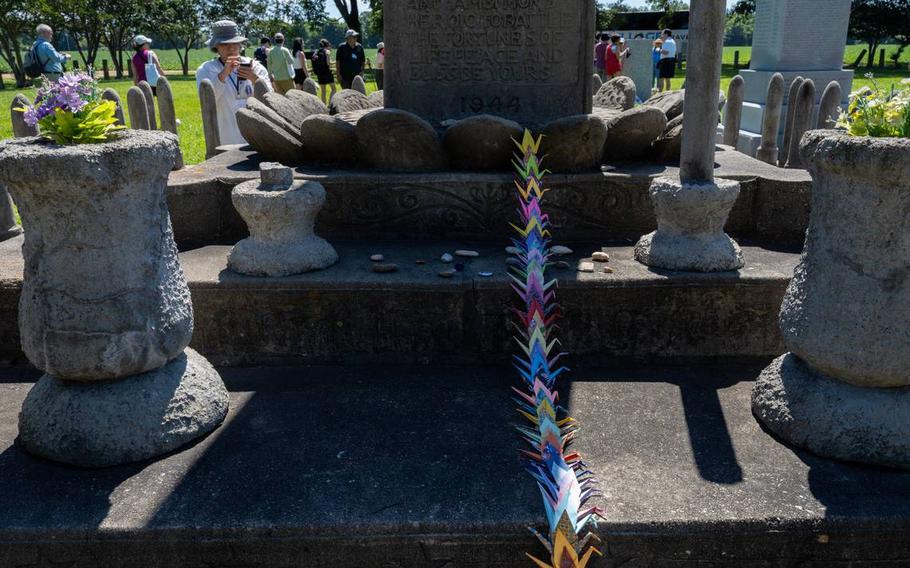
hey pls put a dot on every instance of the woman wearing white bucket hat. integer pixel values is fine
(232, 77)
(146, 66)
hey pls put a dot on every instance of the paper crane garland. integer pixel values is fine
(565, 483)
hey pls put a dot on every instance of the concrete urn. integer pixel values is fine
(281, 216)
(843, 391)
(105, 309)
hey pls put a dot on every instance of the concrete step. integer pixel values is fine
(613, 204)
(350, 314)
(416, 466)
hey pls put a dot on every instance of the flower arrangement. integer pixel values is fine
(71, 111)
(874, 111)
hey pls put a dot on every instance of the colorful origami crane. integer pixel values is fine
(563, 479)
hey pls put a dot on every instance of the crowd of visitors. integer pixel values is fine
(610, 53)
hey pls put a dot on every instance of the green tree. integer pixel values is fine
(607, 14)
(874, 21)
(123, 20)
(81, 19)
(16, 22)
(669, 8)
(375, 20)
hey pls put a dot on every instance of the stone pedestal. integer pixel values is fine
(845, 316)
(690, 234)
(104, 301)
(640, 66)
(796, 38)
(281, 215)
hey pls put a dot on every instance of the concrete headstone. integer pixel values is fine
(20, 129)
(149, 103)
(640, 67)
(139, 113)
(112, 95)
(526, 60)
(209, 106)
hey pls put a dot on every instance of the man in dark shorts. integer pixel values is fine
(349, 59)
(666, 68)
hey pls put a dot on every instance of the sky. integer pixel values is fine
(333, 12)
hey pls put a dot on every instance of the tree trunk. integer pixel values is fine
(350, 14)
(870, 57)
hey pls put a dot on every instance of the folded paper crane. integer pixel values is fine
(563, 479)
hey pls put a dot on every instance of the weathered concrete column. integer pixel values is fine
(149, 103)
(843, 391)
(692, 211)
(139, 112)
(105, 309)
(788, 126)
(802, 120)
(112, 95)
(733, 111)
(829, 109)
(209, 107)
(20, 128)
(168, 114)
(281, 216)
(767, 152)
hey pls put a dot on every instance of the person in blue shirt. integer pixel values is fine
(655, 61)
(51, 60)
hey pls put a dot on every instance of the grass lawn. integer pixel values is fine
(187, 102)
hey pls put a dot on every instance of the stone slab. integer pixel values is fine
(611, 205)
(800, 34)
(297, 477)
(525, 60)
(348, 313)
(640, 67)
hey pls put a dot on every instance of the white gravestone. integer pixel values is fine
(804, 38)
(639, 67)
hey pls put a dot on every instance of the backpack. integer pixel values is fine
(32, 64)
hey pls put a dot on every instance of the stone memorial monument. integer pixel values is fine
(451, 59)
(640, 67)
(803, 38)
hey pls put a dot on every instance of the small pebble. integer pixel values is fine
(377, 258)
(608, 270)
(485, 274)
(467, 253)
(420, 262)
(563, 265)
(385, 268)
(447, 258)
(514, 262)
(560, 250)
(513, 250)
(586, 267)
(447, 274)
(600, 257)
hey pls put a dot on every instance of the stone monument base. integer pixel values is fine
(13, 231)
(690, 235)
(832, 418)
(102, 424)
(255, 258)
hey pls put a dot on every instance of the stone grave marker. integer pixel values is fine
(639, 67)
(526, 60)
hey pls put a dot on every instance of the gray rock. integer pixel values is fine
(281, 217)
(329, 140)
(149, 103)
(847, 310)
(208, 106)
(260, 89)
(352, 117)
(310, 103)
(671, 102)
(358, 85)
(139, 113)
(482, 142)
(630, 135)
(168, 113)
(94, 307)
(396, 140)
(617, 94)
(802, 121)
(20, 129)
(273, 117)
(272, 142)
(310, 86)
(690, 227)
(574, 143)
(376, 99)
(668, 147)
(831, 418)
(678, 121)
(774, 101)
(347, 100)
(133, 419)
(289, 110)
(597, 83)
(112, 95)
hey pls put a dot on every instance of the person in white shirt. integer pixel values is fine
(666, 69)
(232, 76)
